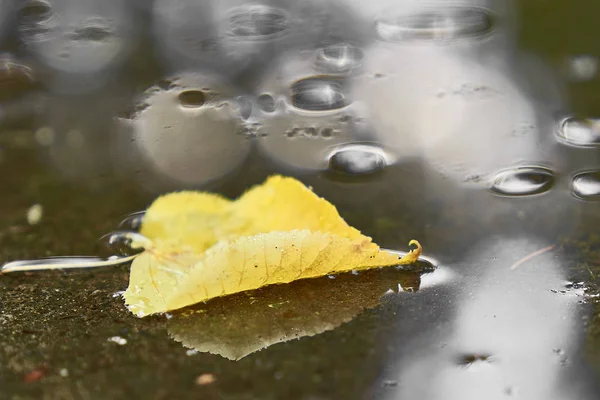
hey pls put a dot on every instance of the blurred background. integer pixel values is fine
(471, 125)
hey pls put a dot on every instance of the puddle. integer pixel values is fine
(472, 127)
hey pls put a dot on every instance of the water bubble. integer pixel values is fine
(357, 159)
(192, 98)
(266, 103)
(133, 221)
(340, 58)
(522, 181)
(586, 185)
(580, 132)
(448, 23)
(318, 94)
(125, 243)
(257, 22)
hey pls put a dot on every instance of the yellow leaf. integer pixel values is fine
(205, 246)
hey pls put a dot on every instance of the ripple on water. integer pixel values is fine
(522, 181)
(444, 23)
(586, 185)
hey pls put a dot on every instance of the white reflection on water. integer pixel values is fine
(511, 334)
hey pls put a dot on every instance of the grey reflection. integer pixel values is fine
(80, 41)
(458, 108)
(182, 132)
(219, 35)
(513, 334)
(6, 9)
(74, 135)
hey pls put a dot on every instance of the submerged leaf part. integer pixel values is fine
(241, 324)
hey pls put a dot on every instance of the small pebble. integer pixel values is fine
(34, 214)
(205, 379)
(118, 340)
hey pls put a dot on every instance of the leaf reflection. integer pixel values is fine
(241, 324)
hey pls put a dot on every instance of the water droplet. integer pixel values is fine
(192, 98)
(257, 22)
(522, 181)
(133, 221)
(357, 159)
(580, 132)
(266, 103)
(340, 58)
(318, 94)
(586, 185)
(448, 23)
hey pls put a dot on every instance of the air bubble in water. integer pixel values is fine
(522, 181)
(586, 185)
(192, 98)
(357, 159)
(266, 103)
(318, 94)
(580, 132)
